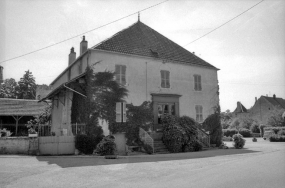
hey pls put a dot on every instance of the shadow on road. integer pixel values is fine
(79, 161)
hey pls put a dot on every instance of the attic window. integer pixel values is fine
(154, 53)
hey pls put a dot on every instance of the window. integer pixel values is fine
(120, 72)
(165, 79)
(197, 83)
(199, 113)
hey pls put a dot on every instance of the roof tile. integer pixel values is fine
(139, 39)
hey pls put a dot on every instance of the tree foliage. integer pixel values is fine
(27, 86)
(275, 119)
(8, 89)
(44, 118)
(213, 124)
(102, 93)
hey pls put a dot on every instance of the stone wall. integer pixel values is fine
(19, 145)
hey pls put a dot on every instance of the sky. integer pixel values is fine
(249, 50)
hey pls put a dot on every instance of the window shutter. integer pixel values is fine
(118, 112)
(124, 112)
(123, 74)
(199, 83)
(162, 79)
(167, 79)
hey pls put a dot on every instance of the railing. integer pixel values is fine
(146, 138)
(78, 128)
(204, 137)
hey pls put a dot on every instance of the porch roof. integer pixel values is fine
(20, 107)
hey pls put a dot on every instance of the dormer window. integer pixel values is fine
(120, 72)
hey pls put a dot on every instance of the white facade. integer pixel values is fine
(142, 79)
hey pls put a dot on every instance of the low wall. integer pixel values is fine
(19, 145)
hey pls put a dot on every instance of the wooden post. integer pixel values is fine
(17, 118)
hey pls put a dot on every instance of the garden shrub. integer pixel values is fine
(277, 138)
(254, 128)
(245, 132)
(238, 141)
(107, 146)
(281, 133)
(137, 117)
(180, 134)
(87, 143)
(213, 124)
(229, 132)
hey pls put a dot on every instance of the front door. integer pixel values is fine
(164, 104)
(165, 109)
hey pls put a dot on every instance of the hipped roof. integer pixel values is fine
(139, 39)
(21, 107)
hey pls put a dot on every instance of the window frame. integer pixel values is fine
(120, 75)
(164, 80)
(197, 82)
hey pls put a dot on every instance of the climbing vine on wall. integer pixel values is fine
(102, 93)
(137, 117)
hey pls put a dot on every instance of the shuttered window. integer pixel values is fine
(120, 72)
(197, 83)
(199, 113)
(165, 79)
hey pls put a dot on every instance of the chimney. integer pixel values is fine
(83, 45)
(72, 56)
(255, 99)
(274, 96)
(1, 74)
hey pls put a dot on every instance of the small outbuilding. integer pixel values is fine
(15, 113)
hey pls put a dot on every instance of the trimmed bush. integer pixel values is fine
(229, 132)
(254, 139)
(277, 138)
(107, 146)
(180, 134)
(254, 128)
(213, 124)
(87, 143)
(238, 141)
(245, 132)
(281, 133)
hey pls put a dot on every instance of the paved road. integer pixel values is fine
(260, 164)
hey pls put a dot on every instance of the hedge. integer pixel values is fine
(87, 143)
(245, 132)
(107, 146)
(229, 132)
(277, 138)
(276, 130)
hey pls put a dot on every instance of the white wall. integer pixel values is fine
(143, 78)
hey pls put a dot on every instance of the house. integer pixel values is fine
(240, 111)
(264, 105)
(152, 67)
(15, 113)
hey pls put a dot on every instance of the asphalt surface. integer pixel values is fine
(260, 164)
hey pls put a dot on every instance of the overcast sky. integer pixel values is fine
(249, 51)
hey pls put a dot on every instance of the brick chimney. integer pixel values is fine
(83, 45)
(72, 56)
(274, 96)
(1, 74)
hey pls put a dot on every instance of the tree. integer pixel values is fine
(213, 124)
(27, 86)
(226, 119)
(8, 88)
(274, 118)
